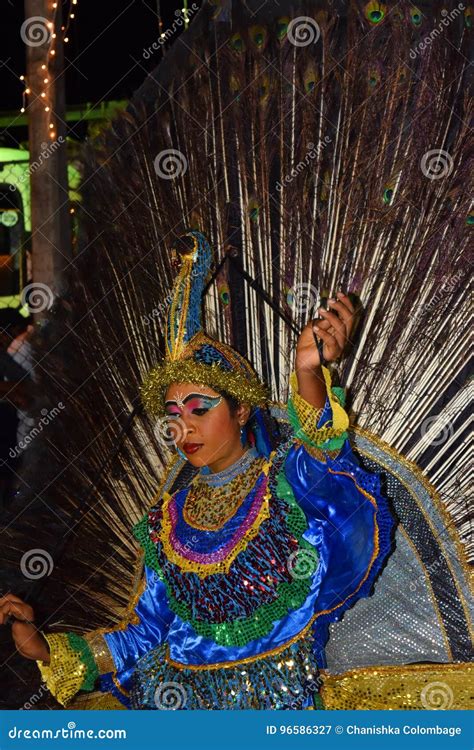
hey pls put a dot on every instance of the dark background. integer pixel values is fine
(103, 58)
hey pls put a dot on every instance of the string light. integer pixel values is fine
(51, 52)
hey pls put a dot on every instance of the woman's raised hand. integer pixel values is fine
(334, 330)
(28, 640)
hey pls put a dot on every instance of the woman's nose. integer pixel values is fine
(188, 426)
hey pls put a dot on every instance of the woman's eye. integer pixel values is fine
(200, 412)
(172, 416)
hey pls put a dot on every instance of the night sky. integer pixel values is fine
(104, 58)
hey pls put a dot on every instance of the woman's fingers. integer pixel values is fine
(11, 598)
(323, 324)
(338, 325)
(345, 312)
(346, 300)
(18, 609)
(333, 348)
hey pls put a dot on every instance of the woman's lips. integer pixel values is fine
(191, 447)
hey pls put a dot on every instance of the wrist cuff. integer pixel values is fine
(71, 667)
(305, 418)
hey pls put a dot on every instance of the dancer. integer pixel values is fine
(255, 551)
(313, 144)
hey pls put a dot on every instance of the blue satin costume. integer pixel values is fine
(349, 525)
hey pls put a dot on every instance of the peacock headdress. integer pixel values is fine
(191, 355)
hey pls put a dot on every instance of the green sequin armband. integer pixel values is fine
(304, 417)
(71, 668)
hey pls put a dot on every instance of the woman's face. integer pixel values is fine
(202, 426)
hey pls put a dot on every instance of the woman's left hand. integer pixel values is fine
(334, 330)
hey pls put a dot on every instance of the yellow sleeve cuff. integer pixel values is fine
(66, 671)
(308, 416)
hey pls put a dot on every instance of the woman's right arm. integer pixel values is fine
(69, 662)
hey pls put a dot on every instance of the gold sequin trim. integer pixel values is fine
(248, 660)
(241, 382)
(209, 508)
(408, 686)
(202, 569)
(65, 672)
(317, 452)
(96, 702)
(100, 651)
(308, 415)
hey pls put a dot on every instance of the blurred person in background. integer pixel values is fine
(15, 376)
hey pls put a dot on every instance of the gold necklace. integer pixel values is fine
(209, 508)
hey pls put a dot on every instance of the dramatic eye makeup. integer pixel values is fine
(196, 403)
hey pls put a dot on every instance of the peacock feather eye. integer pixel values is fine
(375, 12)
(373, 77)
(258, 36)
(403, 73)
(397, 17)
(310, 79)
(234, 84)
(388, 194)
(289, 295)
(470, 219)
(237, 43)
(264, 88)
(224, 294)
(416, 17)
(326, 186)
(468, 17)
(282, 27)
(253, 210)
